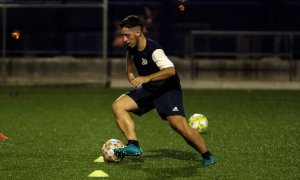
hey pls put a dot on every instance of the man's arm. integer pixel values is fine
(163, 63)
(160, 75)
(129, 67)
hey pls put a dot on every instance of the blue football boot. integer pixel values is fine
(128, 150)
(209, 161)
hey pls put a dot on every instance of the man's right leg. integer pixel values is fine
(122, 108)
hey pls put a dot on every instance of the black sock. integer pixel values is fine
(134, 142)
(206, 155)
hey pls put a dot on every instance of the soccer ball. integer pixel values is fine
(107, 150)
(198, 122)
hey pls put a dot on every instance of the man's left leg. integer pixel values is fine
(179, 124)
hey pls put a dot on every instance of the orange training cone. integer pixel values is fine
(2, 136)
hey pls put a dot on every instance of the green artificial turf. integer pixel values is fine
(57, 133)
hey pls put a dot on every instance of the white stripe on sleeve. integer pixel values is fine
(161, 60)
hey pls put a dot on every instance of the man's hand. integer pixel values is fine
(137, 82)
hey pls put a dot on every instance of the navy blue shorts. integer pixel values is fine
(167, 101)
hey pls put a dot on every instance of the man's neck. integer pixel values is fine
(142, 43)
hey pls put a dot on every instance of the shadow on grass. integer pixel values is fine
(173, 154)
(163, 164)
(169, 170)
(186, 172)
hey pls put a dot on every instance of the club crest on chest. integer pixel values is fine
(144, 61)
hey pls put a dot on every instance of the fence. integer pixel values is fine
(99, 36)
(241, 45)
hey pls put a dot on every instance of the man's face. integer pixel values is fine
(130, 36)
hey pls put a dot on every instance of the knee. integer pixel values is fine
(179, 124)
(116, 106)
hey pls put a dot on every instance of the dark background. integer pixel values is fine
(77, 32)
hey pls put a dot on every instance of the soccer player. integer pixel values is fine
(157, 85)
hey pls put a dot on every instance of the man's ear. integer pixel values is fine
(138, 32)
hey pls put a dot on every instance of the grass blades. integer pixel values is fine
(57, 133)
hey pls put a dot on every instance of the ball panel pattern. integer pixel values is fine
(107, 150)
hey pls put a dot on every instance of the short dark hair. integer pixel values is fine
(132, 21)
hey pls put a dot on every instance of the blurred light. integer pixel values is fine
(16, 34)
(181, 7)
(182, 1)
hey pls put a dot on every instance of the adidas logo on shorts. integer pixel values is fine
(175, 109)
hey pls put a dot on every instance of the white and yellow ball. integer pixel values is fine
(198, 122)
